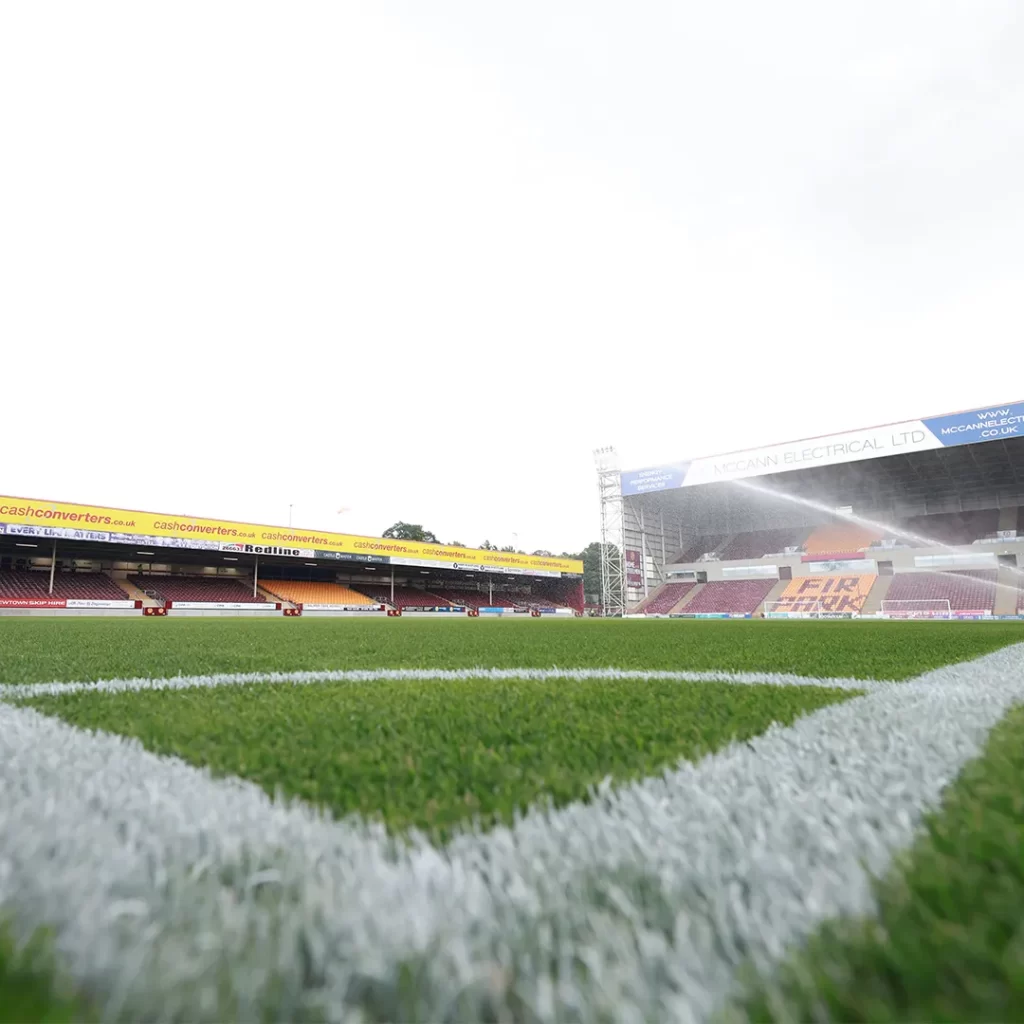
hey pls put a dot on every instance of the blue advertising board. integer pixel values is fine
(993, 424)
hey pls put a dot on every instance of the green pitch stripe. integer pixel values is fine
(435, 753)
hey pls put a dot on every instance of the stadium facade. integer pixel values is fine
(919, 518)
(61, 556)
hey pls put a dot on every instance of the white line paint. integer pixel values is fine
(303, 678)
(178, 896)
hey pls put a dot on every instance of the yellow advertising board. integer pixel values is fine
(34, 517)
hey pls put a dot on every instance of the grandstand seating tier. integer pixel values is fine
(973, 590)
(404, 597)
(471, 598)
(737, 597)
(758, 543)
(841, 538)
(210, 590)
(951, 528)
(66, 586)
(839, 593)
(669, 596)
(701, 546)
(307, 592)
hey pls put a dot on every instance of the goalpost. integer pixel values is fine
(930, 608)
(794, 608)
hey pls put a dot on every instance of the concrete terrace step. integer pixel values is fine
(877, 594)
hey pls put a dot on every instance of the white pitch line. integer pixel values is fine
(303, 678)
(175, 896)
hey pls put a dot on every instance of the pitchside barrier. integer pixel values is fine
(805, 610)
(59, 602)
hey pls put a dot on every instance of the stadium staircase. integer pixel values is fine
(687, 598)
(873, 604)
(135, 594)
(271, 598)
(1008, 587)
(773, 595)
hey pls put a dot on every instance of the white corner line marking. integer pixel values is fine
(303, 678)
(173, 894)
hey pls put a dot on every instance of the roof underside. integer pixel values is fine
(964, 477)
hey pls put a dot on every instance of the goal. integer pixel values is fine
(930, 608)
(794, 608)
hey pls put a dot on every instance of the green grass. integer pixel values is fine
(435, 754)
(36, 650)
(948, 944)
(29, 989)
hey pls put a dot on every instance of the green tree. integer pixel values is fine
(409, 531)
(488, 546)
(590, 556)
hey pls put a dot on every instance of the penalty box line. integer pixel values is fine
(302, 678)
(166, 888)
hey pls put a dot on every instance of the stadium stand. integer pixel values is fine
(758, 543)
(195, 588)
(952, 528)
(66, 586)
(470, 598)
(306, 592)
(405, 597)
(1020, 521)
(737, 597)
(700, 546)
(843, 593)
(841, 538)
(668, 597)
(965, 590)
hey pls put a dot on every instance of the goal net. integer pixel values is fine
(930, 608)
(793, 609)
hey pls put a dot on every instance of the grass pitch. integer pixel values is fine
(433, 754)
(40, 650)
(439, 754)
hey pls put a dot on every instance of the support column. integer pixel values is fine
(53, 564)
(255, 575)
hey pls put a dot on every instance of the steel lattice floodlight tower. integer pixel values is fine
(613, 568)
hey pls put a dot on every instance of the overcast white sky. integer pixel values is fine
(419, 259)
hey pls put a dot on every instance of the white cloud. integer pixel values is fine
(255, 256)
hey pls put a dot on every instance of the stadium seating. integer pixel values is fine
(841, 538)
(470, 598)
(670, 595)
(196, 588)
(951, 528)
(66, 586)
(405, 597)
(305, 592)
(758, 543)
(739, 597)
(840, 593)
(700, 546)
(973, 590)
